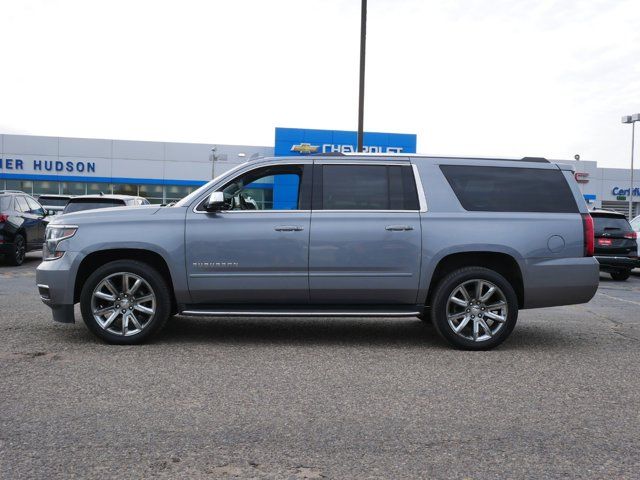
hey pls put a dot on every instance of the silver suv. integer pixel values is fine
(464, 242)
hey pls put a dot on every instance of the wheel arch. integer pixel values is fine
(98, 258)
(503, 263)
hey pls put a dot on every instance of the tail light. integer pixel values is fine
(3, 218)
(631, 235)
(587, 228)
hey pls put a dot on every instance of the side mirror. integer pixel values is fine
(216, 202)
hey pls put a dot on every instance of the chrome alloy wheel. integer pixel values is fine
(477, 310)
(123, 304)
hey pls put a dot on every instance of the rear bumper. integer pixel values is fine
(615, 263)
(563, 281)
(6, 248)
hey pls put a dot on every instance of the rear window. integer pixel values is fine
(5, 201)
(506, 189)
(602, 223)
(52, 201)
(91, 204)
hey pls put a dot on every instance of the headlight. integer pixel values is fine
(56, 234)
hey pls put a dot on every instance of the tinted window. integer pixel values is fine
(368, 187)
(268, 188)
(612, 224)
(4, 203)
(91, 204)
(53, 201)
(21, 204)
(505, 189)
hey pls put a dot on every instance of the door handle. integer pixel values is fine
(398, 228)
(288, 228)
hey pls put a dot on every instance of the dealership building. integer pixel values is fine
(167, 171)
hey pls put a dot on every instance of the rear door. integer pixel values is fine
(366, 237)
(30, 221)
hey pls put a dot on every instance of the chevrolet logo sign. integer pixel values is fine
(305, 148)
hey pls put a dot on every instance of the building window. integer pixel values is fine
(25, 186)
(98, 188)
(74, 188)
(41, 188)
(125, 189)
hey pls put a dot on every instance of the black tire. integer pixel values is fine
(16, 258)
(449, 284)
(156, 283)
(621, 275)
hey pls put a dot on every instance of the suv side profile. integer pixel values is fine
(22, 225)
(466, 243)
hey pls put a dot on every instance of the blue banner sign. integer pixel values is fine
(300, 142)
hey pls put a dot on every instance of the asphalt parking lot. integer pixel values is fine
(320, 398)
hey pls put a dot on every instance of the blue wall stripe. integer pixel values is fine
(69, 178)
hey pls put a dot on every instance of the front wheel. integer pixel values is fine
(474, 308)
(621, 275)
(125, 302)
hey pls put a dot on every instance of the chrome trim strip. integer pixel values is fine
(363, 211)
(263, 313)
(241, 274)
(359, 274)
(42, 285)
(421, 197)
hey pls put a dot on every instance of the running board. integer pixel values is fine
(221, 311)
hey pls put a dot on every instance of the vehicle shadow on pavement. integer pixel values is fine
(405, 333)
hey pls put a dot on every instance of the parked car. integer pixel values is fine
(635, 225)
(464, 242)
(92, 202)
(22, 225)
(616, 247)
(54, 204)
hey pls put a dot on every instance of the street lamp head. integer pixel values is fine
(631, 118)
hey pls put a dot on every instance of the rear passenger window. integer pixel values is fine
(368, 187)
(507, 189)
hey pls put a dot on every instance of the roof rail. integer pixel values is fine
(535, 159)
(12, 191)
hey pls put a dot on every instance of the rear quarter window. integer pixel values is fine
(507, 189)
(4, 203)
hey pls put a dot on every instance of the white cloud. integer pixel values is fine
(508, 78)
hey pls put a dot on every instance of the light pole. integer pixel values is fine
(363, 44)
(632, 119)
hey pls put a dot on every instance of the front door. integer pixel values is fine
(256, 251)
(366, 240)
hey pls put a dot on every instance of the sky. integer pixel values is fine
(506, 78)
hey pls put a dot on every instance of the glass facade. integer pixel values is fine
(153, 193)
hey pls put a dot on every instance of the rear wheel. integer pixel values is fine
(16, 257)
(621, 275)
(474, 308)
(125, 302)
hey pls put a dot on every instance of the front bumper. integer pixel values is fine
(615, 263)
(56, 284)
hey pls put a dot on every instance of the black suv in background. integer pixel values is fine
(615, 245)
(22, 225)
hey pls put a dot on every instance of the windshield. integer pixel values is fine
(52, 201)
(196, 193)
(92, 204)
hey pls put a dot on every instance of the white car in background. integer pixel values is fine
(635, 224)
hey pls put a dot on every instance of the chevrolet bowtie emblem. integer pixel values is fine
(305, 148)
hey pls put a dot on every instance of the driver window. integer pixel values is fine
(270, 188)
(35, 207)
